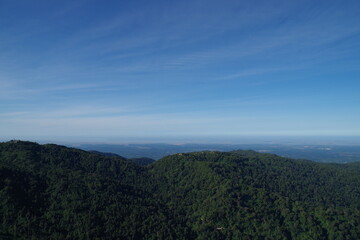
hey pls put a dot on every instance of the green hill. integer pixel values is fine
(247, 195)
(54, 192)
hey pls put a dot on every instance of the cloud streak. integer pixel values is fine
(178, 67)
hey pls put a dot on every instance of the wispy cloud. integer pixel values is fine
(163, 125)
(19, 92)
(126, 67)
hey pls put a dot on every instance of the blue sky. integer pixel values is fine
(100, 70)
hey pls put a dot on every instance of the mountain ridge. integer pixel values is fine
(51, 191)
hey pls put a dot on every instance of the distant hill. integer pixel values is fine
(55, 192)
(107, 154)
(142, 161)
(319, 153)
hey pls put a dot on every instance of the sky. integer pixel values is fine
(100, 70)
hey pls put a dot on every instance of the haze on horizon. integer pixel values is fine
(177, 70)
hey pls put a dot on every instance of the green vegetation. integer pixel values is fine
(142, 161)
(54, 192)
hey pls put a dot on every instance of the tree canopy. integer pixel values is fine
(54, 192)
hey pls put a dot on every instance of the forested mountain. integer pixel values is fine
(54, 192)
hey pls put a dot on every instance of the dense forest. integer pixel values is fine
(55, 192)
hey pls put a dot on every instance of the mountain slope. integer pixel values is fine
(60, 193)
(247, 195)
(54, 192)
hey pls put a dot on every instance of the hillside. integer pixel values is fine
(247, 195)
(53, 192)
(50, 191)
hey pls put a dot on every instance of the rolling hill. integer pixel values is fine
(54, 192)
